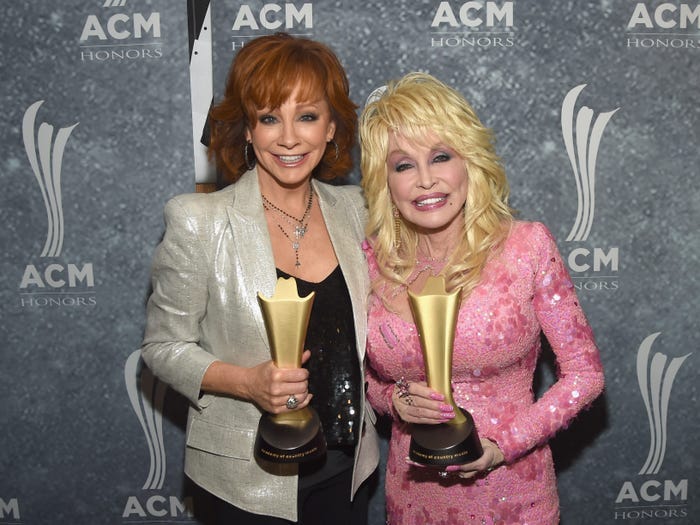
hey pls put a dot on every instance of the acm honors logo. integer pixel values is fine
(648, 497)
(473, 24)
(53, 282)
(116, 33)
(592, 267)
(252, 20)
(147, 395)
(453, 24)
(665, 25)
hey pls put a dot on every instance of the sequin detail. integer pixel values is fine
(334, 371)
(525, 290)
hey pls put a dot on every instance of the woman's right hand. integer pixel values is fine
(417, 403)
(270, 387)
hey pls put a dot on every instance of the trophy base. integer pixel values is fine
(445, 444)
(290, 440)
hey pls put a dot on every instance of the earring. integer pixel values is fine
(397, 227)
(248, 164)
(337, 150)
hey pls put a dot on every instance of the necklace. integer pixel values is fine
(423, 264)
(426, 264)
(300, 225)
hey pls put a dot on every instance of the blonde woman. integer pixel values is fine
(438, 204)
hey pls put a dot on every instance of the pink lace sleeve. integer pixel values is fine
(580, 373)
(379, 393)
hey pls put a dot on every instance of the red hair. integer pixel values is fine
(264, 74)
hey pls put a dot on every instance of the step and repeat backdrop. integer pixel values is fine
(596, 110)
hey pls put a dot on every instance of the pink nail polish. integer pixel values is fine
(437, 397)
(446, 408)
(452, 468)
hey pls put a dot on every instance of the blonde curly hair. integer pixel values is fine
(414, 107)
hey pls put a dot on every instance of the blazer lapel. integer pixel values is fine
(252, 252)
(342, 223)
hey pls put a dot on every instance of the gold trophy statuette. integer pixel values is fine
(295, 436)
(456, 441)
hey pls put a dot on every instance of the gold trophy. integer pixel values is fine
(456, 441)
(295, 436)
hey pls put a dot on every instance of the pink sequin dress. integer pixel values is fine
(524, 290)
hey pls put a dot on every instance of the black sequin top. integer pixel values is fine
(334, 370)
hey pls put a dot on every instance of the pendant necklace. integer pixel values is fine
(300, 226)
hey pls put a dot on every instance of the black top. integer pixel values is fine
(334, 370)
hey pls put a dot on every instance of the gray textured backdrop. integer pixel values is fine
(72, 449)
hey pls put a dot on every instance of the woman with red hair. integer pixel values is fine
(285, 123)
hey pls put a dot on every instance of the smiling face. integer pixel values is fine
(289, 141)
(428, 184)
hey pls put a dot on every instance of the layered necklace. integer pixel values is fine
(299, 225)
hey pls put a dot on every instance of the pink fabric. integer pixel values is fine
(526, 289)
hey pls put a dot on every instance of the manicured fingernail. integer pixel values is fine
(437, 397)
(452, 468)
(446, 408)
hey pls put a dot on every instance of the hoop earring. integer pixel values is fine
(397, 227)
(337, 150)
(248, 164)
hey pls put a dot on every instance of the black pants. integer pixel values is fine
(324, 503)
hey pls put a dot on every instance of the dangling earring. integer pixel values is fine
(248, 164)
(337, 150)
(397, 227)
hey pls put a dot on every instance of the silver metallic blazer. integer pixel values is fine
(213, 260)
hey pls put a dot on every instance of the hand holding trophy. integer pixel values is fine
(295, 436)
(457, 441)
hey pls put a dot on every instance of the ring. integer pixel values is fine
(292, 402)
(442, 473)
(408, 400)
(403, 385)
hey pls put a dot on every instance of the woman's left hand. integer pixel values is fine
(489, 460)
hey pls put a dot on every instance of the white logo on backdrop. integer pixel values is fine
(147, 403)
(115, 34)
(656, 375)
(46, 157)
(274, 17)
(664, 25)
(582, 137)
